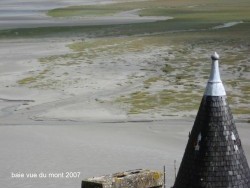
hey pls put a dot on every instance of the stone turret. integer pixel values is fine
(214, 156)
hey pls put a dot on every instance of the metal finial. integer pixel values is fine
(214, 85)
(215, 56)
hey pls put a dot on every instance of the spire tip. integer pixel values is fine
(215, 56)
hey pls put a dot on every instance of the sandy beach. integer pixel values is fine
(55, 131)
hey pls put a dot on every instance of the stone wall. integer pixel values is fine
(129, 179)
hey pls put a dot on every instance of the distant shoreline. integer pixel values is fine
(14, 15)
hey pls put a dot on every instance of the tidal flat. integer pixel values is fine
(93, 66)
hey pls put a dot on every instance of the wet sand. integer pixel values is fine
(94, 149)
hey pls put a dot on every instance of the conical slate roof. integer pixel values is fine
(214, 157)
